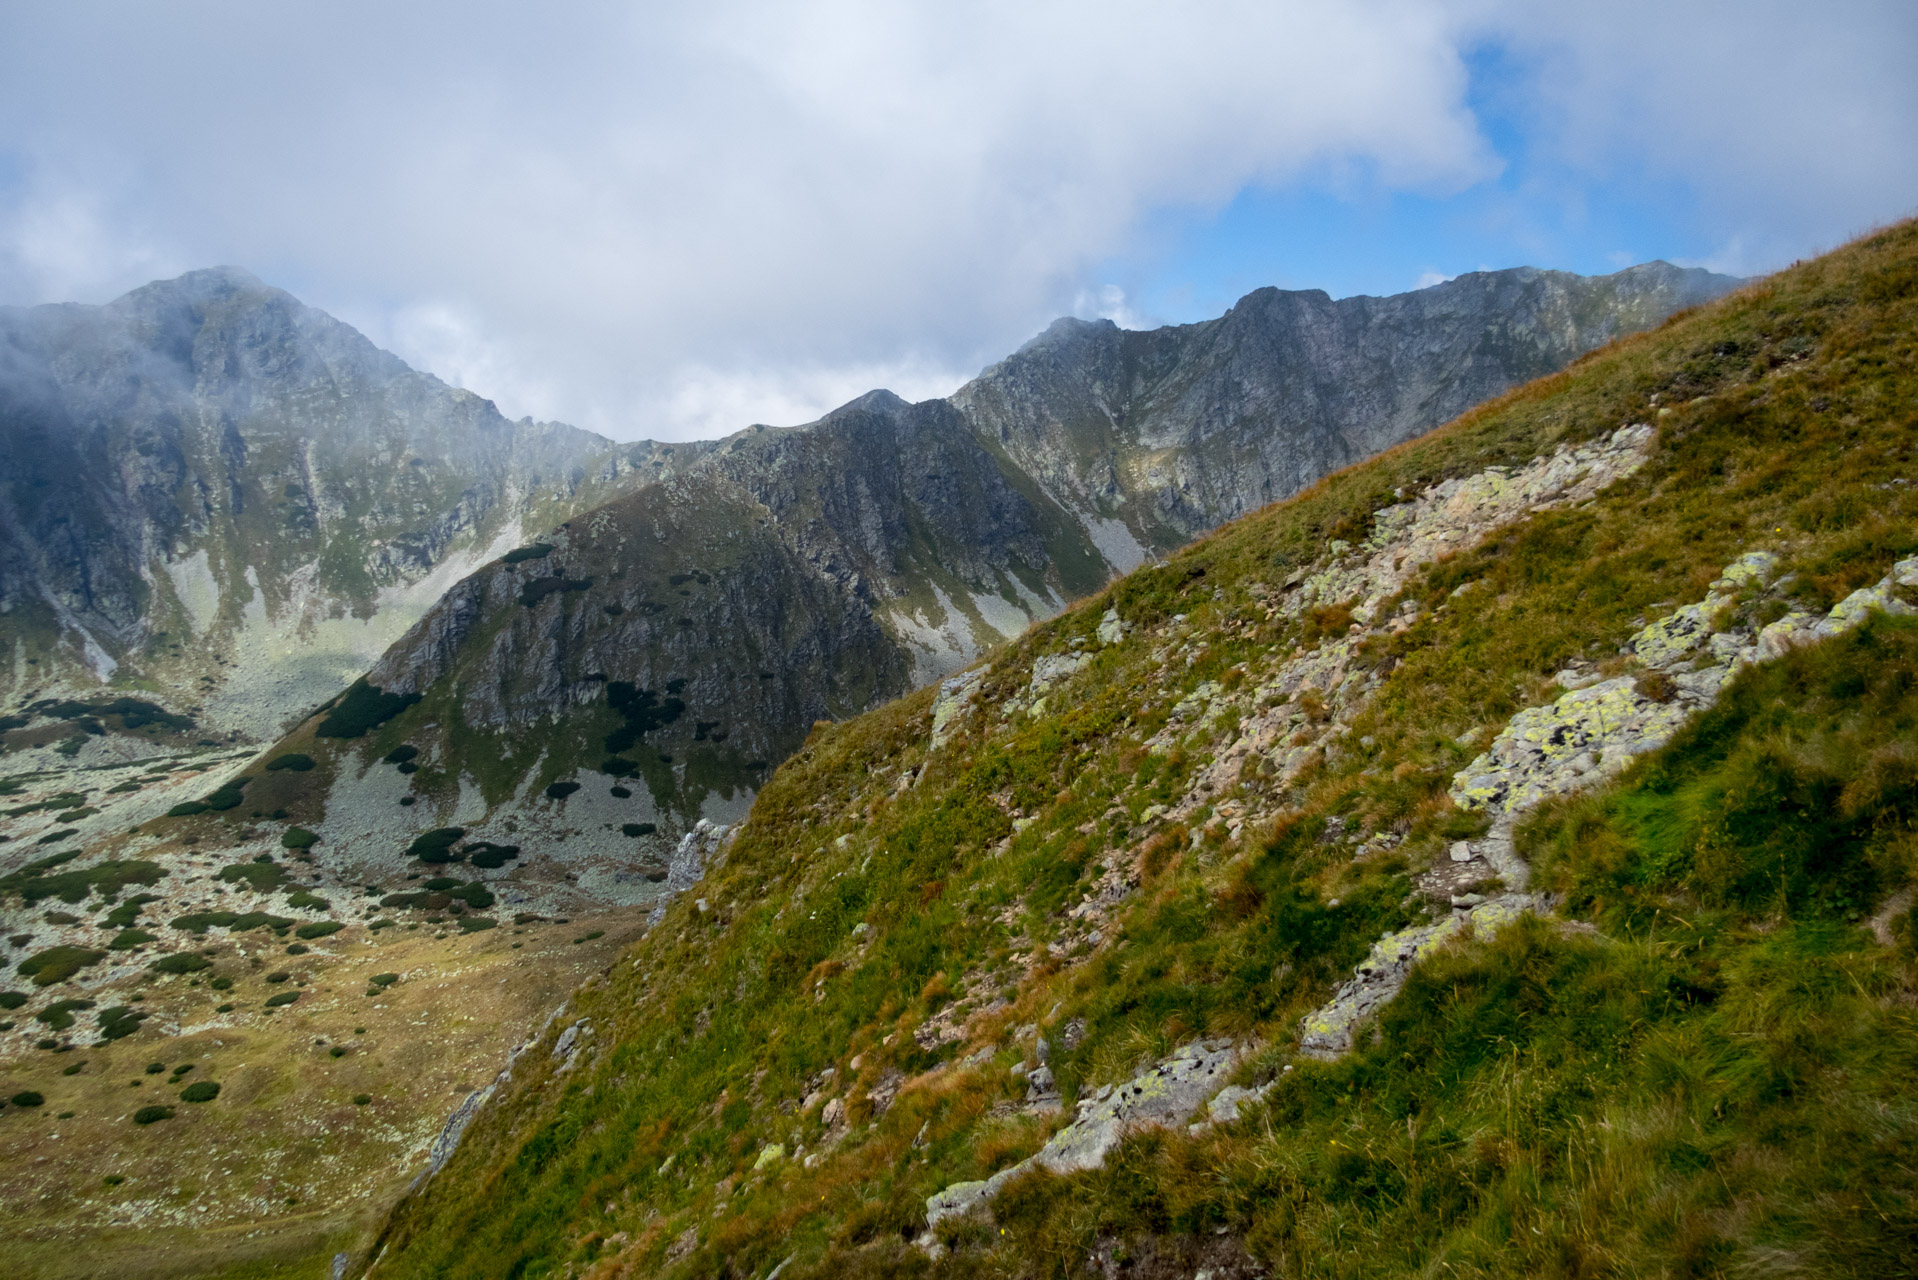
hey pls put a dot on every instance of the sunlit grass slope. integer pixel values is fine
(1705, 1063)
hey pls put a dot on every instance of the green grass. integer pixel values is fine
(1707, 1069)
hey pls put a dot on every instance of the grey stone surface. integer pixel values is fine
(1167, 1095)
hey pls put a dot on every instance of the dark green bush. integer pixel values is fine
(182, 962)
(642, 709)
(360, 708)
(318, 929)
(298, 838)
(187, 809)
(637, 829)
(128, 939)
(621, 793)
(615, 766)
(476, 924)
(59, 1014)
(384, 979)
(228, 796)
(200, 1091)
(560, 790)
(539, 588)
(200, 921)
(401, 754)
(12, 999)
(27, 1098)
(292, 760)
(150, 1115)
(436, 845)
(262, 873)
(362, 1099)
(57, 964)
(127, 912)
(119, 1022)
(33, 883)
(490, 856)
(283, 999)
(532, 551)
(303, 900)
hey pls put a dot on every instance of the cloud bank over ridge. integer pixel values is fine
(673, 220)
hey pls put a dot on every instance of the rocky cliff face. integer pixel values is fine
(790, 575)
(1153, 437)
(211, 492)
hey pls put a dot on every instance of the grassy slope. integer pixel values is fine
(1714, 1076)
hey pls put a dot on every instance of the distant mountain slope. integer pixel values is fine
(1155, 436)
(212, 493)
(941, 529)
(1498, 859)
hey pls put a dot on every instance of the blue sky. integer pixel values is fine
(672, 220)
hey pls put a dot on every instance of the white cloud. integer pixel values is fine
(672, 219)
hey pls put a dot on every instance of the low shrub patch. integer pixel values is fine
(436, 845)
(200, 1091)
(401, 754)
(37, 880)
(304, 900)
(12, 999)
(282, 1000)
(319, 929)
(119, 1022)
(232, 921)
(127, 912)
(57, 964)
(293, 761)
(128, 939)
(360, 708)
(59, 1014)
(228, 796)
(531, 551)
(298, 838)
(27, 1098)
(490, 856)
(539, 588)
(476, 924)
(151, 1115)
(182, 962)
(384, 979)
(187, 809)
(560, 790)
(262, 873)
(637, 829)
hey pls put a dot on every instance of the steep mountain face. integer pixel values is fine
(1152, 437)
(788, 575)
(1498, 858)
(217, 495)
